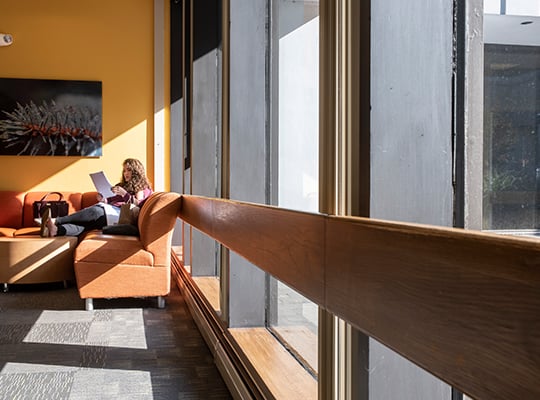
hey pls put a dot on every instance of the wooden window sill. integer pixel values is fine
(209, 285)
(283, 375)
(301, 342)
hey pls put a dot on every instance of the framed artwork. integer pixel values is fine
(46, 117)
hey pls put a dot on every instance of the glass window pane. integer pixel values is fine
(203, 152)
(512, 119)
(292, 317)
(522, 7)
(492, 6)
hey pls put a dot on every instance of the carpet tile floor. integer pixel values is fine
(50, 348)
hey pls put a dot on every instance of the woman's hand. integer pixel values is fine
(100, 198)
(119, 190)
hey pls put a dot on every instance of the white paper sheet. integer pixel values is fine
(102, 184)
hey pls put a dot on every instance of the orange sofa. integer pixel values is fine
(16, 213)
(25, 257)
(108, 266)
(103, 266)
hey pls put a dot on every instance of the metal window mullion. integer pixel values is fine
(351, 346)
(224, 260)
(327, 175)
(474, 112)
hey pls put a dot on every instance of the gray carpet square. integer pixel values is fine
(46, 386)
(51, 348)
(64, 333)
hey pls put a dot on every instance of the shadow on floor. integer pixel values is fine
(50, 347)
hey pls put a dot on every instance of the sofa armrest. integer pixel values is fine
(12, 206)
(88, 199)
(156, 222)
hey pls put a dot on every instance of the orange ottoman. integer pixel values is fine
(36, 260)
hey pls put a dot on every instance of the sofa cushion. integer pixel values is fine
(29, 231)
(73, 199)
(12, 209)
(112, 250)
(7, 232)
(121, 229)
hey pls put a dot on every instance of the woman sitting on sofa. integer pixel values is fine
(133, 188)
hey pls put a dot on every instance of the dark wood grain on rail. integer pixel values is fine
(463, 305)
(285, 244)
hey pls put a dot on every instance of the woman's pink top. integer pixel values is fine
(118, 200)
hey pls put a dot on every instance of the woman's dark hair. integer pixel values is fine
(138, 180)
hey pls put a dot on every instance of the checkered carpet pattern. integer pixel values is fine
(51, 348)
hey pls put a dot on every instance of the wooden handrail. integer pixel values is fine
(464, 305)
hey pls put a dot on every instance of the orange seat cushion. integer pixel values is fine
(7, 232)
(112, 250)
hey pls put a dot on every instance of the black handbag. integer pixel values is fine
(59, 208)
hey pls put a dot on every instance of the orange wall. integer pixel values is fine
(101, 40)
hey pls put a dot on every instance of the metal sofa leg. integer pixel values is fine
(89, 303)
(161, 302)
(5, 289)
